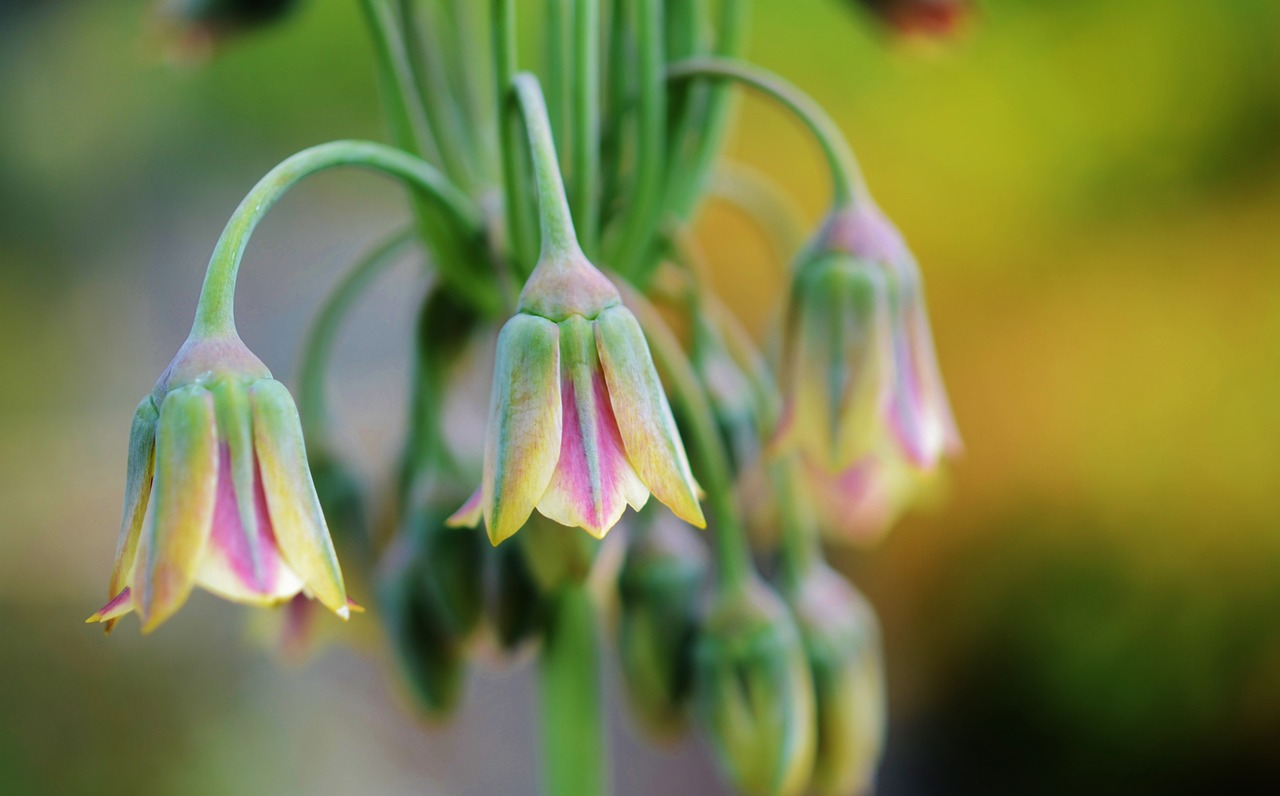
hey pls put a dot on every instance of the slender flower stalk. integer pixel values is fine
(585, 92)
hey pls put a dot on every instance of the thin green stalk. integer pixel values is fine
(574, 752)
(585, 174)
(764, 202)
(733, 559)
(408, 128)
(706, 131)
(651, 120)
(848, 185)
(558, 236)
(215, 312)
(518, 208)
(455, 255)
(438, 99)
(801, 544)
(559, 72)
(313, 399)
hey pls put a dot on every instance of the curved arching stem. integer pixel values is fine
(313, 403)
(848, 185)
(215, 313)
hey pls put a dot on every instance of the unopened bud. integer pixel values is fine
(660, 588)
(753, 694)
(841, 642)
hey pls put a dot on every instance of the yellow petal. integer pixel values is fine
(141, 469)
(643, 415)
(523, 440)
(186, 474)
(296, 517)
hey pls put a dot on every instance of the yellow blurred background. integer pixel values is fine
(1093, 190)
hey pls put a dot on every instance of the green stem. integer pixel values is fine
(558, 237)
(573, 731)
(518, 209)
(437, 97)
(559, 72)
(801, 546)
(454, 255)
(763, 201)
(313, 403)
(733, 558)
(707, 131)
(651, 121)
(846, 177)
(586, 122)
(215, 311)
(408, 128)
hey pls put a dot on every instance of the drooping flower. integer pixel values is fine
(216, 453)
(920, 413)
(579, 426)
(838, 370)
(753, 695)
(842, 645)
(861, 502)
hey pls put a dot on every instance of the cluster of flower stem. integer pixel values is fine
(599, 144)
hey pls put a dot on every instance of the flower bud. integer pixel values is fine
(753, 695)
(430, 594)
(579, 427)
(217, 453)
(660, 589)
(201, 25)
(860, 503)
(515, 603)
(932, 18)
(841, 642)
(838, 369)
(920, 414)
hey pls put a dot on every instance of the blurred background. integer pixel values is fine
(1093, 189)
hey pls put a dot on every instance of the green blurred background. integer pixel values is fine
(1093, 189)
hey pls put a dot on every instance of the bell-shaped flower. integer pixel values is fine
(579, 426)
(217, 459)
(753, 695)
(920, 414)
(842, 644)
(837, 374)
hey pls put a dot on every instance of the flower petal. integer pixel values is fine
(115, 608)
(186, 475)
(866, 355)
(242, 565)
(523, 440)
(643, 415)
(468, 514)
(141, 469)
(593, 480)
(296, 517)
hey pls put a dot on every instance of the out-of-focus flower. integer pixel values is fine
(861, 502)
(217, 452)
(753, 695)
(838, 367)
(920, 413)
(931, 18)
(199, 26)
(430, 598)
(841, 642)
(660, 590)
(579, 426)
